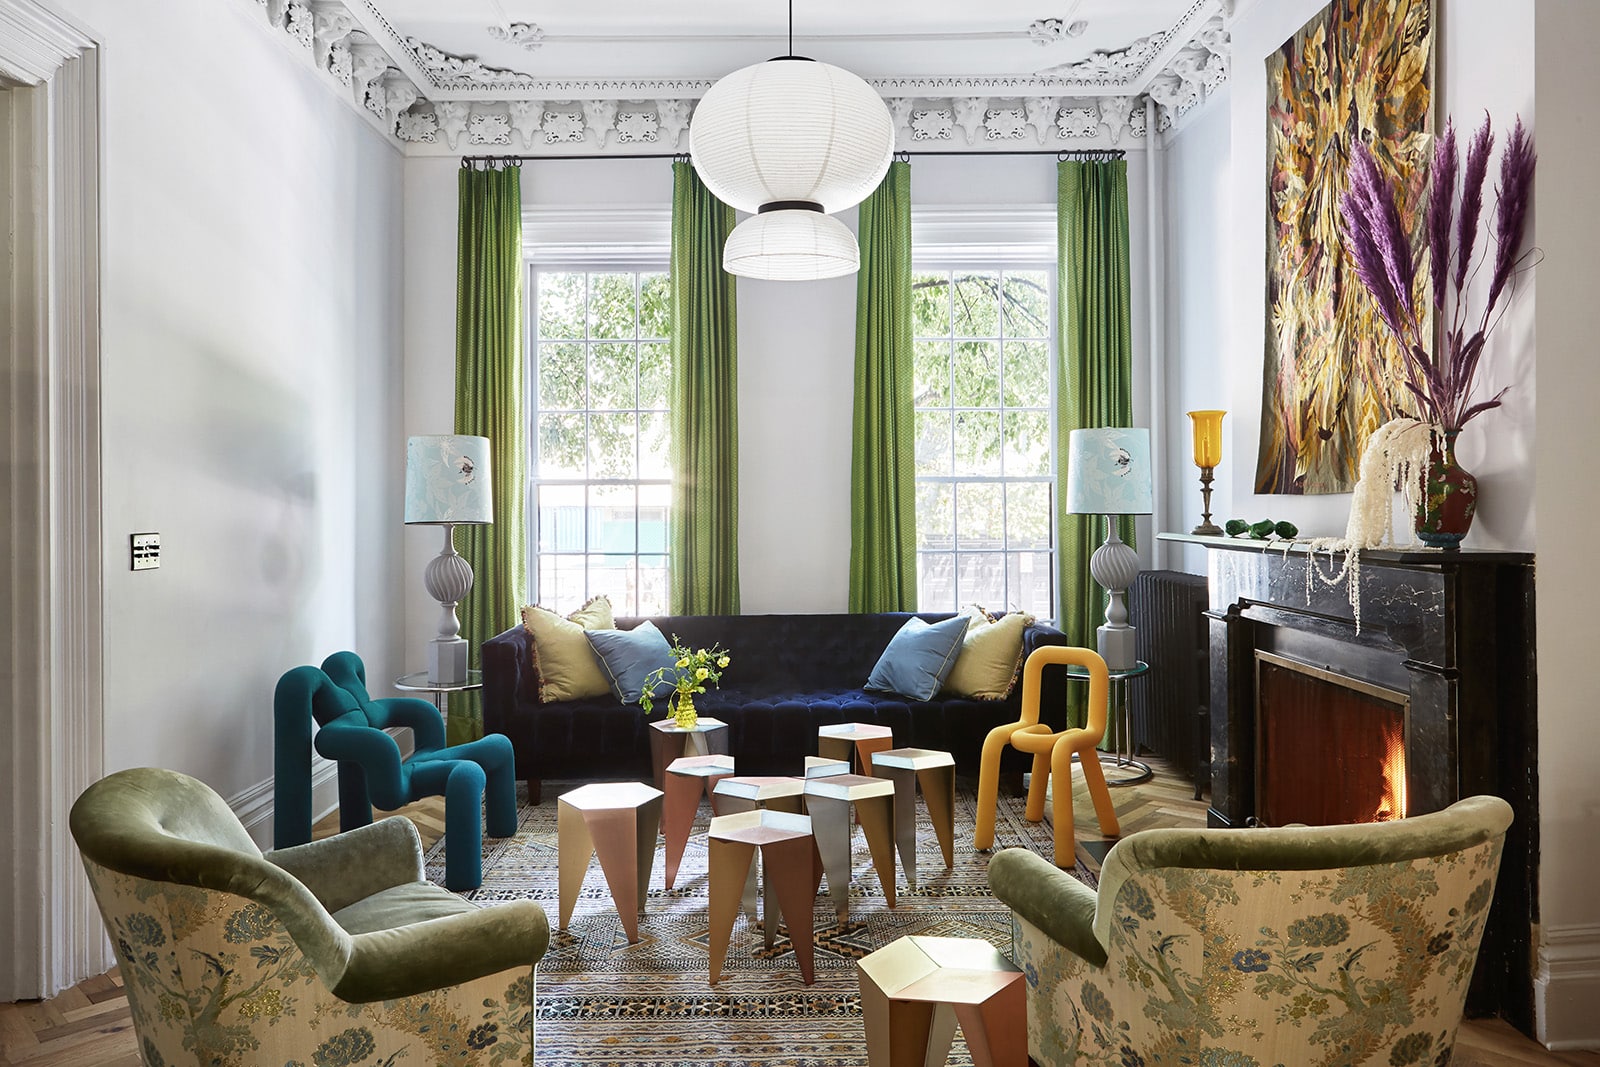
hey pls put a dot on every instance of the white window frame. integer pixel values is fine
(984, 238)
(601, 239)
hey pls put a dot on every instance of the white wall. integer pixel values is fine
(1199, 295)
(251, 383)
(796, 360)
(1484, 55)
(1568, 321)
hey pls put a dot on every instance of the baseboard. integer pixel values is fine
(1566, 988)
(254, 806)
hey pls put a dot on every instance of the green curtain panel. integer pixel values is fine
(883, 512)
(1094, 372)
(703, 565)
(489, 399)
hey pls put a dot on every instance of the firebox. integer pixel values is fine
(1329, 748)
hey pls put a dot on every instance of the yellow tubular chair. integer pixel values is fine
(1052, 754)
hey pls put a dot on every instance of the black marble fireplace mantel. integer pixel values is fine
(1453, 631)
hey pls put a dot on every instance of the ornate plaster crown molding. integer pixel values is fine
(430, 102)
(526, 34)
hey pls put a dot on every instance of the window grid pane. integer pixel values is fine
(983, 445)
(601, 484)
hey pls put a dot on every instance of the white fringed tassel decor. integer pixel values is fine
(1396, 455)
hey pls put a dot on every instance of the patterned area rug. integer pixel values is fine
(603, 1001)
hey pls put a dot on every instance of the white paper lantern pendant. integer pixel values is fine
(791, 140)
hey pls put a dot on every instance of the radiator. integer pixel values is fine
(1169, 703)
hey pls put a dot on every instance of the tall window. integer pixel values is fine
(602, 487)
(983, 450)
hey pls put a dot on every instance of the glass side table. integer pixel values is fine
(1120, 766)
(417, 682)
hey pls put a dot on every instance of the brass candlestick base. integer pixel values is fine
(1206, 527)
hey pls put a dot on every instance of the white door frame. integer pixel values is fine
(51, 552)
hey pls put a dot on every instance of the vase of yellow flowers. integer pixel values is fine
(691, 672)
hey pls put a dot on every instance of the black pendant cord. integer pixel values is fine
(791, 29)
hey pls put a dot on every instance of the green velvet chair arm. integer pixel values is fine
(388, 964)
(1049, 898)
(356, 864)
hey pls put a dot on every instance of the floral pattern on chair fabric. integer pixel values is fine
(1211, 968)
(215, 978)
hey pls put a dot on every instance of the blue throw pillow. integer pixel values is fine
(628, 657)
(919, 658)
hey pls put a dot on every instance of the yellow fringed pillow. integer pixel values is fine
(991, 657)
(561, 653)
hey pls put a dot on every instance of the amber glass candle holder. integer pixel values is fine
(1207, 455)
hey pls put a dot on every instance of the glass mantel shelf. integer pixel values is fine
(1401, 556)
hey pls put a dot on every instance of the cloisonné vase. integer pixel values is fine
(684, 717)
(1450, 499)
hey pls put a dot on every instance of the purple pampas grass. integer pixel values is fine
(1472, 200)
(1516, 185)
(1441, 368)
(1441, 199)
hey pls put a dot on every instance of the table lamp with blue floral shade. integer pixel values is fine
(447, 484)
(1108, 473)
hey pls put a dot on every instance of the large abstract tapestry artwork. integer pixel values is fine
(1362, 69)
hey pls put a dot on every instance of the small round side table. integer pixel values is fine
(1131, 770)
(417, 682)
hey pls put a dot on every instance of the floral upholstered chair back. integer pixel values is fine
(214, 976)
(1255, 948)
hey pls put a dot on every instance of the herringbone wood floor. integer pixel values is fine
(89, 1025)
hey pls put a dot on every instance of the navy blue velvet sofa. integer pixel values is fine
(790, 674)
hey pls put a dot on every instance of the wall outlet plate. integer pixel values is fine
(146, 548)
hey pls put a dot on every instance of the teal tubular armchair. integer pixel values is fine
(1252, 948)
(331, 952)
(353, 731)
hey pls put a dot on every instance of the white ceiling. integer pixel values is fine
(704, 39)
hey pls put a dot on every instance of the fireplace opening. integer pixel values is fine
(1329, 749)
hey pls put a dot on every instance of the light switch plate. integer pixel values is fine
(146, 551)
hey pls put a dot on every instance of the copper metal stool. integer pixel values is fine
(828, 801)
(790, 886)
(936, 772)
(854, 741)
(750, 792)
(915, 990)
(618, 821)
(669, 742)
(688, 777)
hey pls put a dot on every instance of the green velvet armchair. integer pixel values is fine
(332, 952)
(1253, 948)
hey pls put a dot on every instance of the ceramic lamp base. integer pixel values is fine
(1116, 646)
(447, 661)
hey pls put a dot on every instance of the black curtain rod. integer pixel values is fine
(1081, 153)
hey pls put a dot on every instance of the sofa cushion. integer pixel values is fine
(629, 657)
(919, 658)
(990, 658)
(566, 665)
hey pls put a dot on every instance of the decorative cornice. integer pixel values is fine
(430, 101)
(525, 34)
(1044, 32)
(446, 70)
(1126, 68)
